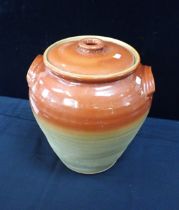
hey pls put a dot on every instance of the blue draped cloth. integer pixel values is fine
(32, 177)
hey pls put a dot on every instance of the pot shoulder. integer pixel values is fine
(89, 106)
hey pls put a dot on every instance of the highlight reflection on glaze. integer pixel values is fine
(82, 106)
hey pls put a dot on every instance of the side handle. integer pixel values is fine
(148, 81)
(35, 68)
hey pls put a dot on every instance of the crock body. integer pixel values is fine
(89, 124)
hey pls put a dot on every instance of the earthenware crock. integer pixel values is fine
(90, 95)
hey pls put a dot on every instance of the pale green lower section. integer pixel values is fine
(89, 153)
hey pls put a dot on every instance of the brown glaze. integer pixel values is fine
(35, 68)
(91, 59)
(75, 58)
(90, 107)
(85, 106)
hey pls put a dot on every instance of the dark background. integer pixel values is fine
(28, 27)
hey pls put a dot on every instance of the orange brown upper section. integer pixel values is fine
(91, 106)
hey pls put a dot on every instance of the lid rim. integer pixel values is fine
(93, 77)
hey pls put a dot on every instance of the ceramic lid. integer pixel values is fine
(91, 58)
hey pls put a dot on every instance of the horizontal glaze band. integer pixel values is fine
(91, 107)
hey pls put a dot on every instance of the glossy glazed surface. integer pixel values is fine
(90, 106)
(111, 58)
(91, 58)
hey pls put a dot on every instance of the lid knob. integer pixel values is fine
(90, 45)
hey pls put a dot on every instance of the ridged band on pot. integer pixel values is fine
(89, 152)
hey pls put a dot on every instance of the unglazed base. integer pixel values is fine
(89, 172)
(89, 152)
